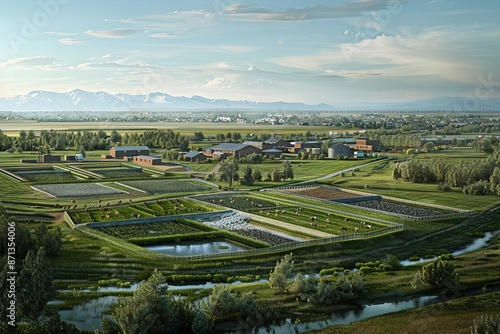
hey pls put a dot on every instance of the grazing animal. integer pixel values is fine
(329, 214)
(267, 214)
(313, 218)
(343, 229)
(276, 215)
(346, 219)
(327, 220)
(368, 226)
(356, 229)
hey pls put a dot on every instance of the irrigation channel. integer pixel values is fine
(88, 316)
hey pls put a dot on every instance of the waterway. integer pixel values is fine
(89, 316)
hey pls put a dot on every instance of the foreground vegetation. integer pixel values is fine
(94, 257)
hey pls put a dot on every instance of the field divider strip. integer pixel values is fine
(130, 187)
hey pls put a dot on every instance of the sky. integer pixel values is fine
(334, 52)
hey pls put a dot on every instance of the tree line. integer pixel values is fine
(477, 176)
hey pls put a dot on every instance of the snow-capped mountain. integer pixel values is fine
(79, 100)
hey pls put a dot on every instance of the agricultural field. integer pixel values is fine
(119, 172)
(166, 186)
(321, 219)
(77, 189)
(102, 212)
(40, 174)
(129, 231)
(241, 225)
(322, 193)
(399, 208)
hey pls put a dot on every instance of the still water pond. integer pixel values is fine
(197, 248)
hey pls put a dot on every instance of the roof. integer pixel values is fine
(272, 150)
(192, 154)
(147, 157)
(252, 142)
(272, 140)
(230, 147)
(338, 144)
(131, 148)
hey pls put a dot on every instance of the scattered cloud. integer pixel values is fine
(162, 35)
(30, 62)
(346, 9)
(58, 33)
(71, 41)
(115, 33)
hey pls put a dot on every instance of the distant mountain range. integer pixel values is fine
(79, 100)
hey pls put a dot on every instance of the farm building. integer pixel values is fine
(236, 150)
(128, 151)
(50, 158)
(367, 145)
(147, 160)
(271, 143)
(194, 156)
(272, 153)
(339, 151)
(302, 145)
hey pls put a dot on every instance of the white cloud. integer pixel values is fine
(71, 41)
(115, 33)
(346, 9)
(162, 35)
(38, 62)
(58, 33)
(391, 56)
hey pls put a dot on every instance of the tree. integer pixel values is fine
(223, 301)
(236, 136)
(429, 147)
(220, 137)
(248, 178)
(287, 170)
(228, 170)
(280, 276)
(440, 274)
(199, 136)
(34, 285)
(257, 175)
(115, 137)
(50, 240)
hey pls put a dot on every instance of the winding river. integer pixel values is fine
(89, 316)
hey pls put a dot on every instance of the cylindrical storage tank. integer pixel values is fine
(316, 151)
(331, 153)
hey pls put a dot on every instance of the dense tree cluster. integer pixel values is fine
(439, 274)
(89, 140)
(479, 176)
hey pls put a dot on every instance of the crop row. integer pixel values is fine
(118, 172)
(166, 186)
(77, 189)
(321, 193)
(139, 210)
(127, 232)
(46, 176)
(399, 208)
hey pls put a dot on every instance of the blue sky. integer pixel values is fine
(338, 51)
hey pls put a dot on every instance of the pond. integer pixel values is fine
(197, 248)
(88, 316)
